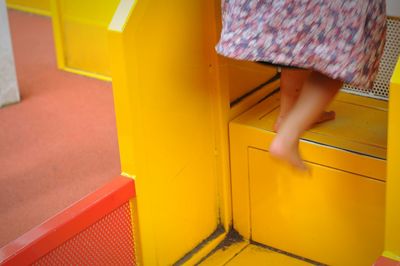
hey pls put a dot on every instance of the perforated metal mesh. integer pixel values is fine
(107, 242)
(387, 65)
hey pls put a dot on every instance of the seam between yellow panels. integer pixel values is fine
(330, 167)
(240, 251)
(249, 187)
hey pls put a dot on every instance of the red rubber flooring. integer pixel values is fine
(59, 143)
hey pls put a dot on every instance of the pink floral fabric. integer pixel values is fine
(342, 39)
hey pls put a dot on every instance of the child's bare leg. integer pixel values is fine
(318, 91)
(292, 81)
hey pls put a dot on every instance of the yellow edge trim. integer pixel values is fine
(396, 75)
(84, 21)
(57, 33)
(205, 250)
(135, 232)
(391, 255)
(128, 175)
(31, 10)
(87, 74)
(122, 15)
(133, 209)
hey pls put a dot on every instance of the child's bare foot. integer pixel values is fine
(288, 152)
(325, 116)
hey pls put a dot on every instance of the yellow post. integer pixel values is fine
(165, 88)
(392, 236)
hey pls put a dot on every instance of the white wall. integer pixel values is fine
(8, 82)
(393, 8)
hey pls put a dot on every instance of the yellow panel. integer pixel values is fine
(245, 76)
(169, 122)
(255, 255)
(40, 7)
(80, 29)
(331, 216)
(392, 240)
(362, 101)
(253, 98)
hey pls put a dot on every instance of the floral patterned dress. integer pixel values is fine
(341, 39)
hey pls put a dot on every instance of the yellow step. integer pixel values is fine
(333, 215)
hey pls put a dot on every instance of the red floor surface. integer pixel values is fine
(59, 143)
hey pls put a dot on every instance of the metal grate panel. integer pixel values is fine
(107, 242)
(387, 65)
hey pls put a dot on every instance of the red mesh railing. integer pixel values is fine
(107, 242)
(97, 230)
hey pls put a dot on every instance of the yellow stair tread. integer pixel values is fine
(256, 255)
(360, 125)
(242, 253)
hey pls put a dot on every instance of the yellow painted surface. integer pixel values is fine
(362, 101)
(255, 255)
(197, 256)
(361, 128)
(245, 76)
(392, 237)
(331, 216)
(168, 116)
(172, 100)
(271, 202)
(225, 254)
(80, 31)
(244, 254)
(235, 79)
(40, 7)
(253, 99)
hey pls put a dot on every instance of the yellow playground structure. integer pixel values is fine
(194, 130)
